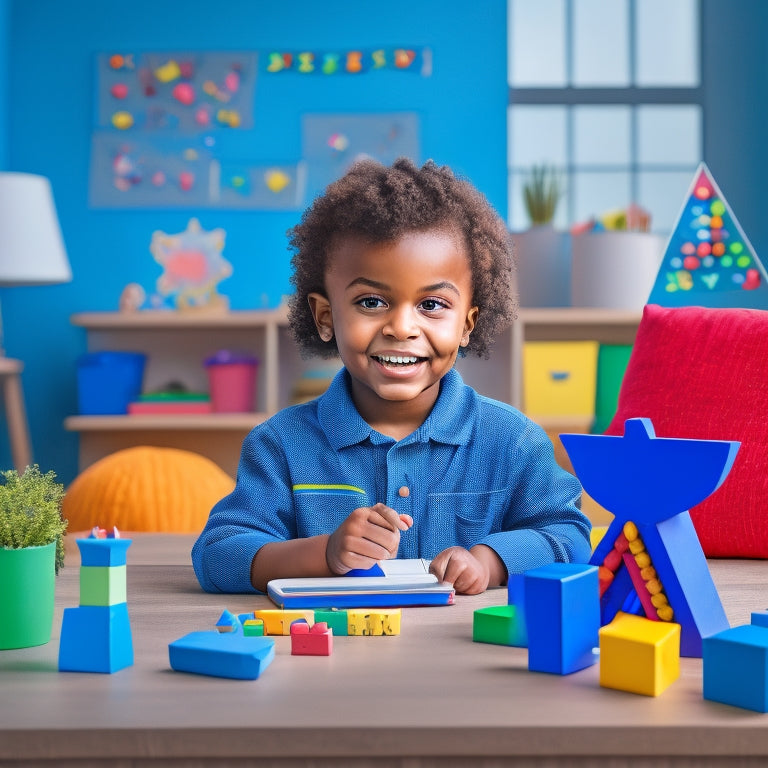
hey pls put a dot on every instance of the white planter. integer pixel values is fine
(543, 267)
(615, 270)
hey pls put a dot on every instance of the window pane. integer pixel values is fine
(594, 194)
(667, 50)
(669, 135)
(663, 195)
(536, 135)
(600, 43)
(601, 135)
(536, 42)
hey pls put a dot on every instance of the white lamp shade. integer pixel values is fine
(32, 249)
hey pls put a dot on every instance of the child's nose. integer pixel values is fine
(401, 323)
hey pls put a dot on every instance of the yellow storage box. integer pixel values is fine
(560, 378)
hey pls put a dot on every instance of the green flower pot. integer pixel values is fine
(27, 590)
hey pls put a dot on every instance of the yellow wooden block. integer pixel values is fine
(277, 622)
(373, 621)
(559, 378)
(639, 655)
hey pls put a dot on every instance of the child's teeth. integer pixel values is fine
(397, 359)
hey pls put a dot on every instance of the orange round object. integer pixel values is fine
(653, 586)
(116, 61)
(146, 489)
(630, 530)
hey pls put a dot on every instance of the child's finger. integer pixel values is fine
(408, 520)
(390, 518)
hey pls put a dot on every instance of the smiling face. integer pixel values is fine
(400, 311)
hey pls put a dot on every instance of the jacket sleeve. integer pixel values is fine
(258, 511)
(543, 522)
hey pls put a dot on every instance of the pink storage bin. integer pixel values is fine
(232, 381)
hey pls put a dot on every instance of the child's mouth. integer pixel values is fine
(396, 361)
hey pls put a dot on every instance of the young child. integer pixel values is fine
(396, 270)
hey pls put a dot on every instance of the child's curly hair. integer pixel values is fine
(380, 204)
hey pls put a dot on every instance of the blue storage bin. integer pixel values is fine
(108, 381)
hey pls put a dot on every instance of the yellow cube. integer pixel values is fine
(639, 655)
(560, 378)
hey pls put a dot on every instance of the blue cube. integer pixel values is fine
(735, 665)
(562, 614)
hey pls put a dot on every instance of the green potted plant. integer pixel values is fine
(31, 553)
(541, 194)
(541, 252)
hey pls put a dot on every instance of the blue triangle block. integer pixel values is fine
(709, 261)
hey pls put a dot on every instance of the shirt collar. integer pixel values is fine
(449, 422)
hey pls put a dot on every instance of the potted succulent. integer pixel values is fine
(543, 260)
(541, 194)
(31, 553)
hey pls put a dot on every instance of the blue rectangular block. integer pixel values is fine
(231, 654)
(95, 638)
(562, 612)
(735, 665)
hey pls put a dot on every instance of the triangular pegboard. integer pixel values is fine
(708, 260)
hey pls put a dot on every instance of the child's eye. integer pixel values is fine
(371, 302)
(432, 305)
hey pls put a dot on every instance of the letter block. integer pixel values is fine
(639, 655)
(735, 665)
(562, 615)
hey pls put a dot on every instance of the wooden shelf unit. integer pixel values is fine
(177, 343)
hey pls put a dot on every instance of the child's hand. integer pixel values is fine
(458, 566)
(368, 535)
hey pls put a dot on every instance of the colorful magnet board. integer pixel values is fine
(708, 260)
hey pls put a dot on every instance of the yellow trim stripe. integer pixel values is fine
(323, 487)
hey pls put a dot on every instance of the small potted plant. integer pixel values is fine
(542, 254)
(541, 194)
(31, 553)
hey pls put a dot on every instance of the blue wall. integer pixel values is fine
(5, 37)
(48, 125)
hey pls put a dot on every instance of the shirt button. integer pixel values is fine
(404, 492)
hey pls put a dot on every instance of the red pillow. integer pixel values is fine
(702, 373)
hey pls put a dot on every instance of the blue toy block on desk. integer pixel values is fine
(229, 654)
(735, 664)
(107, 552)
(759, 618)
(95, 638)
(562, 614)
(516, 597)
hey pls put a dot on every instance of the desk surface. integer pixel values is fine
(426, 697)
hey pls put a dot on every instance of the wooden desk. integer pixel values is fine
(429, 697)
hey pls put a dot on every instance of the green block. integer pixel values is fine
(253, 628)
(336, 621)
(495, 624)
(612, 362)
(102, 584)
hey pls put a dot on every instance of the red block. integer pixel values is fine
(311, 641)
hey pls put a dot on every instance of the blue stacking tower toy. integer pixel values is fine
(96, 636)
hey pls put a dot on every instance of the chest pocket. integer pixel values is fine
(322, 508)
(467, 517)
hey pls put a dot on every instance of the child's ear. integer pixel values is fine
(321, 312)
(469, 326)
